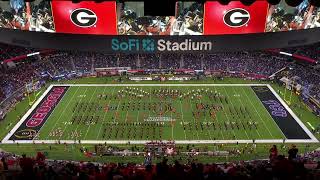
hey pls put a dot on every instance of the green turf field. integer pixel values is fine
(72, 153)
(160, 113)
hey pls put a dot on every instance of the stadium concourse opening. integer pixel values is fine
(140, 113)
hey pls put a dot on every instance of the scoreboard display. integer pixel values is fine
(235, 18)
(191, 18)
(86, 17)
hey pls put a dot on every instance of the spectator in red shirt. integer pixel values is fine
(273, 152)
(26, 165)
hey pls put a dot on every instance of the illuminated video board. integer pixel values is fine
(191, 18)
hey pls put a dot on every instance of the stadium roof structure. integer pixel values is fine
(163, 26)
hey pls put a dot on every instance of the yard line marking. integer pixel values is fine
(66, 127)
(86, 113)
(205, 119)
(194, 120)
(220, 130)
(126, 117)
(137, 119)
(105, 113)
(171, 120)
(149, 100)
(185, 135)
(90, 123)
(117, 112)
(258, 112)
(226, 114)
(55, 124)
(243, 106)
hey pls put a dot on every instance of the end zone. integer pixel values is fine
(30, 124)
(296, 118)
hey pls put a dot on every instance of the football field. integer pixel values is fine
(138, 113)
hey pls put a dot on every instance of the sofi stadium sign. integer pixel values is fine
(159, 45)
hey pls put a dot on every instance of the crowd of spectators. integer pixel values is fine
(9, 51)
(294, 166)
(251, 62)
(311, 51)
(12, 79)
(262, 63)
(308, 77)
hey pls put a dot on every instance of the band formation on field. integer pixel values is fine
(141, 113)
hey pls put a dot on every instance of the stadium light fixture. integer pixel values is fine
(294, 3)
(315, 3)
(163, 8)
(76, 1)
(247, 2)
(274, 2)
(224, 2)
(98, 1)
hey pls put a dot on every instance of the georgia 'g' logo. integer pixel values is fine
(236, 17)
(83, 17)
(25, 134)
